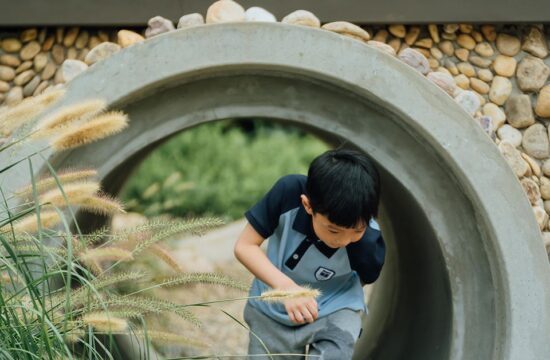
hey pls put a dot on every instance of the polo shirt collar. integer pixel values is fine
(303, 224)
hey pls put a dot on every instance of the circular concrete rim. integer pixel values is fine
(402, 98)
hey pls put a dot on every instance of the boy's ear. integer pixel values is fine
(307, 205)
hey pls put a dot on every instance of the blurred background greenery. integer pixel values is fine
(218, 169)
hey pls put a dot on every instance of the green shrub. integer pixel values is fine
(217, 169)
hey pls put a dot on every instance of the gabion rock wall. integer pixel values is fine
(498, 74)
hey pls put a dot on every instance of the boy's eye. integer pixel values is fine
(334, 232)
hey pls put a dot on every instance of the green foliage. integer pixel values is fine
(218, 170)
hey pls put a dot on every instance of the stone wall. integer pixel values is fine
(498, 74)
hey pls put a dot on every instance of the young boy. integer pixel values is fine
(321, 233)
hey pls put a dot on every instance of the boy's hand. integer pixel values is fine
(302, 309)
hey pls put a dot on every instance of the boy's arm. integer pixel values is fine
(367, 255)
(247, 251)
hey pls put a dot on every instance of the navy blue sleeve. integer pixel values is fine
(366, 256)
(264, 215)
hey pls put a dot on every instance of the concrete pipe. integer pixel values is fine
(466, 275)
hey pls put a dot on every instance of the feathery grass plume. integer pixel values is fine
(170, 338)
(81, 294)
(125, 314)
(202, 278)
(165, 256)
(67, 115)
(103, 321)
(102, 204)
(281, 295)
(144, 304)
(91, 239)
(36, 249)
(26, 110)
(195, 226)
(75, 192)
(29, 223)
(50, 182)
(72, 336)
(106, 253)
(94, 266)
(97, 128)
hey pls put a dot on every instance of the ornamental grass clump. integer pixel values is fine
(60, 294)
(58, 287)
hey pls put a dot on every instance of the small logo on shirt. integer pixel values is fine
(322, 273)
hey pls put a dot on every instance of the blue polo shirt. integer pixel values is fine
(294, 248)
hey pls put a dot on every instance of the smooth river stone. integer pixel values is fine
(29, 51)
(479, 86)
(302, 17)
(519, 111)
(469, 101)
(504, 65)
(11, 45)
(532, 73)
(347, 29)
(466, 41)
(535, 141)
(447, 47)
(513, 158)
(485, 75)
(545, 187)
(24, 77)
(466, 69)
(444, 81)
(10, 60)
(496, 113)
(510, 134)
(257, 13)
(157, 25)
(6, 73)
(480, 61)
(415, 59)
(100, 52)
(531, 190)
(508, 45)
(535, 43)
(397, 30)
(462, 81)
(484, 49)
(542, 107)
(126, 38)
(501, 88)
(381, 46)
(224, 11)
(190, 20)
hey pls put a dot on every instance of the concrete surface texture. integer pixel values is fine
(466, 275)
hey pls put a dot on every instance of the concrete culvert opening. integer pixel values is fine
(465, 277)
(411, 302)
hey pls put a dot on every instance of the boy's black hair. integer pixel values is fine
(344, 186)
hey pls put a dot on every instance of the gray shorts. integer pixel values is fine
(330, 338)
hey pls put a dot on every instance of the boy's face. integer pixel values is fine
(333, 235)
